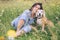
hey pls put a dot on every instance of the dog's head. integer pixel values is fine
(39, 14)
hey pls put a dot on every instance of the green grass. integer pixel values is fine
(14, 9)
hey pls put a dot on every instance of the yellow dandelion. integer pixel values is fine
(11, 33)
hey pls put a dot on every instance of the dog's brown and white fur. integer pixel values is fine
(42, 20)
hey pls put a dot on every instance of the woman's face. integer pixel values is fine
(36, 8)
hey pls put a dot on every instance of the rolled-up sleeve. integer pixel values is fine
(24, 16)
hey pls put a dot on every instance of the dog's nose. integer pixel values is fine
(39, 14)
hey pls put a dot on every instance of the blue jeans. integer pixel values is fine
(26, 28)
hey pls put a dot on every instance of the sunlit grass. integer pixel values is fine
(9, 11)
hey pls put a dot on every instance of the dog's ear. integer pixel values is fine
(43, 13)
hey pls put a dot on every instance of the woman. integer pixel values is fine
(24, 21)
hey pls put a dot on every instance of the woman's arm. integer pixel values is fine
(20, 24)
(22, 20)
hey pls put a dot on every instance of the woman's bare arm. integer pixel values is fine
(20, 24)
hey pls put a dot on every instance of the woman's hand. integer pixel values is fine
(34, 10)
(20, 24)
(17, 33)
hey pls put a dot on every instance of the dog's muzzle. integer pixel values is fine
(39, 16)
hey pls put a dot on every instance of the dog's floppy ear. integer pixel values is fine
(43, 13)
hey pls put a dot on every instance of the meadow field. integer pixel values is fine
(11, 9)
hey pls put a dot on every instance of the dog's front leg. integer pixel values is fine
(43, 27)
(34, 28)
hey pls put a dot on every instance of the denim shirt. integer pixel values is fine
(26, 16)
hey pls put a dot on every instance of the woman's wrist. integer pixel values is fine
(17, 29)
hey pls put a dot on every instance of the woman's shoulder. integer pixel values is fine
(27, 10)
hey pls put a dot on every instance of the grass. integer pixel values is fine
(11, 10)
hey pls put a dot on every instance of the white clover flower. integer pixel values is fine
(10, 38)
(2, 10)
(57, 18)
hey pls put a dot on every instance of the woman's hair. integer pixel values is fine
(35, 5)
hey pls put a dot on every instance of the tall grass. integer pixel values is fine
(9, 11)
